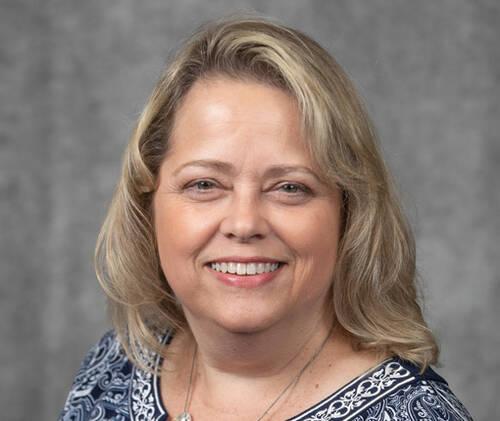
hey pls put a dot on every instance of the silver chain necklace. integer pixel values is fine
(186, 416)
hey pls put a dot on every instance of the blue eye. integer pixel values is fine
(290, 189)
(200, 187)
(202, 190)
(203, 185)
(297, 188)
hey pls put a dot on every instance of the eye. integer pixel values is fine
(202, 190)
(200, 185)
(295, 189)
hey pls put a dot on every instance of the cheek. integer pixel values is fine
(180, 235)
(314, 238)
(315, 234)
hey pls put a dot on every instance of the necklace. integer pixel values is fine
(186, 416)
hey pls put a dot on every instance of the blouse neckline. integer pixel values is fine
(349, 400)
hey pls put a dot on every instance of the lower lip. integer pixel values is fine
(247, 281)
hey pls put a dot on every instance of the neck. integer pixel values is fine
(257, 354)
(230, 367)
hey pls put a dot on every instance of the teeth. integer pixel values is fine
(244, 269)
(241, 269)
(261, 267)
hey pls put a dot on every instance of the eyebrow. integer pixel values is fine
(228, 168)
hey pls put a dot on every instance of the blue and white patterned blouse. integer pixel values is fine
(109, 387)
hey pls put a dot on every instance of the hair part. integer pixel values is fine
(374, 291)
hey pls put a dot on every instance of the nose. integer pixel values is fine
(244, 219)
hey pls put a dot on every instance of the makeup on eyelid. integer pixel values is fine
(273, 171)
(301, 189)
(278, 185)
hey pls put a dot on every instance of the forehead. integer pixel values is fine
(222, 112)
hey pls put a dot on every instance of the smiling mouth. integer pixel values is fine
(244, 280)
(244, 269)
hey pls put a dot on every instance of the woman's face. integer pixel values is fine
(244, 206)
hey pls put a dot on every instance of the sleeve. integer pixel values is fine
(452, 406)
(425, 400)
(100, 388)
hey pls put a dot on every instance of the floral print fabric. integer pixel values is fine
(108, 387)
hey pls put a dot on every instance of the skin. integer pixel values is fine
(251, 341)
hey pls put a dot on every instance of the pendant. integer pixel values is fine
(184, 416)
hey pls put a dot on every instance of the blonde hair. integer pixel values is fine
(374, 291)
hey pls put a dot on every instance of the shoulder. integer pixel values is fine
(393, 390)
(427, 397)
(101, 386)
(414, 395)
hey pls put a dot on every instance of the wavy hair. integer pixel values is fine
(374, 287)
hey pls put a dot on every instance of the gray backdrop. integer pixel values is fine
(75, 74)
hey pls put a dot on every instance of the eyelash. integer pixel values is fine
(303, 189)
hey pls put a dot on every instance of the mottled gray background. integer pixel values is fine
(74, 76)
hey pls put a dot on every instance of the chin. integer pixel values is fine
(245, 324)
(244, 329)
(238, 315)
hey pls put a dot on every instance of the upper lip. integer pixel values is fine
(243, 259)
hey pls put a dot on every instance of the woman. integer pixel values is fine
(255, 257)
